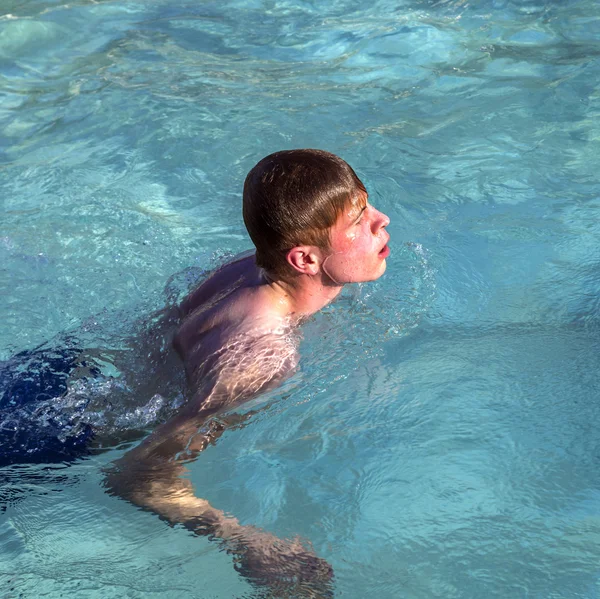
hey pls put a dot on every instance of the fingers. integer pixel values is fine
(290, 572)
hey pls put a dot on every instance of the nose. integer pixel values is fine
(380, 220)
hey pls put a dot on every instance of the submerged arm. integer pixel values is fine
(153, 474)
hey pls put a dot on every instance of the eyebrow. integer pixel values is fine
(360, 213)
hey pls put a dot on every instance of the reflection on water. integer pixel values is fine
(438, 438)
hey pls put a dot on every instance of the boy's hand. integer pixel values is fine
(286, 568)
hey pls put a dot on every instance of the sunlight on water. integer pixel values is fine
(439, 438)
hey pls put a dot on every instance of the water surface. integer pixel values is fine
(440, 439)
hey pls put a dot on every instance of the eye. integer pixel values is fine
(360, 216)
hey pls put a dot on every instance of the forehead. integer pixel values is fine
(356, 205)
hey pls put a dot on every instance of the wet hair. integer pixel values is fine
(293, 198)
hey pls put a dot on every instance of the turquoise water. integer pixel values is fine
(441, 438)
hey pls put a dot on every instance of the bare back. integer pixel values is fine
(232, 338)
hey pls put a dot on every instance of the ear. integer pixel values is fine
(305, 259)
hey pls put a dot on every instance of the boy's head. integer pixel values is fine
(293, 198)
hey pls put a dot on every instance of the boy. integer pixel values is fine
(308, 215)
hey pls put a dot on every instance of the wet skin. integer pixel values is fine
(239, 300)
(358, 244)
(234, 340)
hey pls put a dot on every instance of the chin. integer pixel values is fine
(373, 277)
(379, 275)
(382, 269)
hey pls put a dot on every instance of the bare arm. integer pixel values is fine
(153, 474)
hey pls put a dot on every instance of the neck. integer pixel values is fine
(302, 296)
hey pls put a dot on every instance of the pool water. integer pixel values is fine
(441, 438)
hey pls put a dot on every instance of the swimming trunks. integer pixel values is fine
(34, 427)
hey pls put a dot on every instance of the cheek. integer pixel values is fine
(351, 237)
(357, 243)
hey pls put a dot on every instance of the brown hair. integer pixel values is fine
(294, 197)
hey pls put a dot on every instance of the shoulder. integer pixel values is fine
(229, 305)
(249, 363)
(238, 272)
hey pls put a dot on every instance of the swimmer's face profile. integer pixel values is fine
(358, 244)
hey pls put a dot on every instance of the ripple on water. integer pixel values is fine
(439, 439)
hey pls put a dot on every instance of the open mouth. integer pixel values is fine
(384, 252)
